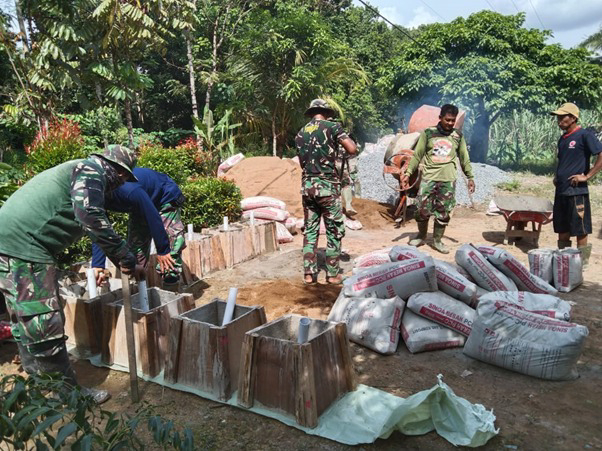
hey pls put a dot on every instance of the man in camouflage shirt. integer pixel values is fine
(439, 148)
(38, 222)
(317, 148)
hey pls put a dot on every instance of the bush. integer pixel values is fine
(8, 181)
(208, 200)
(44, 412)
(200, 160)
(61, 141)
(176, 163)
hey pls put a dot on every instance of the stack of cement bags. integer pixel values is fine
(271, 209)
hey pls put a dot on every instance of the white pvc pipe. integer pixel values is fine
(143, 296)
(225, 223)
(92, 291)
(153, 248)
(252, 218)
(190, 232)
(303, 330)
(229, 312)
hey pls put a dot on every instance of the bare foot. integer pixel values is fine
(335, 280)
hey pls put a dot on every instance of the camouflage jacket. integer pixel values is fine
(318, 150)
(54, 209)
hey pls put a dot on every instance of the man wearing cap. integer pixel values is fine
(439, 148)
(317, 147)
(572, 212)
(154, 205)
(38, 222)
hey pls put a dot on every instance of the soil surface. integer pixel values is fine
(531, 413)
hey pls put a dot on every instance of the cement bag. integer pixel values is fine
(511, 267)
(371, 322)
(229, 164)
(542, 304)
(282, 234)
(400, 278)
(251, 203)
(291, 225)
(540, 264)
(353, 224)
(400, 253)
(269, 213)
(420, 334)
(525, 342)
(568, 269)
(443, 309)
(483, 272)
(458, 287)
(372, 258)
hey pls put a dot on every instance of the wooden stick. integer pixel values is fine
(129, 332)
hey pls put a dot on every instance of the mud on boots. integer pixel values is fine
(420, 239)
(438, 231)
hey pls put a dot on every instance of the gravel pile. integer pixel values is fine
(370, 169)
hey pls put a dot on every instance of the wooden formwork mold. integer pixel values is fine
(204, 355)
(214, 249)
(151, 329)
(301, 380)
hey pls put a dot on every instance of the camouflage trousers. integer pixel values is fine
(139, 238)
(437, 199)
(33, 303)
(329, 208)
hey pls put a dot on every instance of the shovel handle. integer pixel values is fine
(129, 334)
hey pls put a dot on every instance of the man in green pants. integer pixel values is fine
(38, 222)
(317, 147)
(439, 148)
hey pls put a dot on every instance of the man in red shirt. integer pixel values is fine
(572, 212)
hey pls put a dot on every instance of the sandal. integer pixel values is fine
(313, 279)
(337, 280)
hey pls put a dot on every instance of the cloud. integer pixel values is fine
(392, 14)
(420, 16)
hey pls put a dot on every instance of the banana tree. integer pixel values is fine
(218, 139)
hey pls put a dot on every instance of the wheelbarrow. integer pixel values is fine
(396, 165)
(519, 211)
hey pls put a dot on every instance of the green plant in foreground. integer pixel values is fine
(512, 186)
(42, 412)
(209, 199)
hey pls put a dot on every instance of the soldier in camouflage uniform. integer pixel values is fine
(317, 148)
(154, 205)
(350, 185)
(38, 222)
(440, 147)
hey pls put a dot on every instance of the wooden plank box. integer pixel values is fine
(83, 316)
(204, 355)
(301, 380)
(150, 329)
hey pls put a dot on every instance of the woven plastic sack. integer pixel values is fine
(282, 234)
(568, 269)
(372, 258)
(541, 264)
(483, 272)
(444, 310)
(400, 253)
(542, 304)
(268, 213)
(421, 334)
(251, 203)
(229, 164)
(451, 282)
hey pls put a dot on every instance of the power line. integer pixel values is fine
(491, 6)
(429, 7)
(515, 7)
(375, 11)
(537, 15)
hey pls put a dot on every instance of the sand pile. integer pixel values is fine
(270, 176)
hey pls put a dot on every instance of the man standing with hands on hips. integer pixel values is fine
(572, 212)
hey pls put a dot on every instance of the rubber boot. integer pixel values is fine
(562, 244)
(438, 231)
(422, 231)
(586, 252)
(347, 194)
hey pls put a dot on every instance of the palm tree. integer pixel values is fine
(593, 42)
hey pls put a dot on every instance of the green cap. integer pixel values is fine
(319, 104)
(122, 156)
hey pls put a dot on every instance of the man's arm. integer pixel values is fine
(464, 158)
(419, 153)
(87, 198)
(349, 145)
(579, 178)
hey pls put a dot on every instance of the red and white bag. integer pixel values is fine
(444, 310)
(229, 164)
(372, 258)
(251, 203)
(453, 283)
(483, 272)
(514, 269)
(542, 304)
(282, 234)
(400, 253)
(393, 279)
(291, 225)
(540, 264)
(568, 269)
(528, 343)
(371, 322)
(420, 334)
(268, 213)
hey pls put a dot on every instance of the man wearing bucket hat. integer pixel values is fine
(572, 212)
(318, 150)
(37, 223)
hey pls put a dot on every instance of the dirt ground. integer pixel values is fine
(532, 414)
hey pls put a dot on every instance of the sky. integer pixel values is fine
(570, 21)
